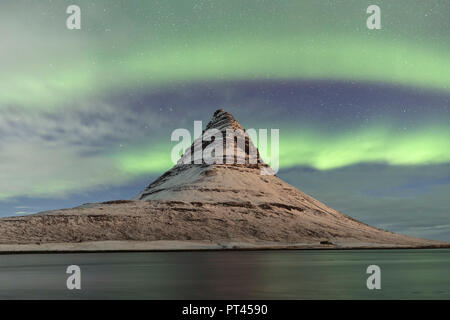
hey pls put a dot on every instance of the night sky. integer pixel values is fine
(364, 115)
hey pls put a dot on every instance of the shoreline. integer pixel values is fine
(192, 246)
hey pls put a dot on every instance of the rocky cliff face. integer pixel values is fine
(228, 202)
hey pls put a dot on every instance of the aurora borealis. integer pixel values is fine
(86, 115)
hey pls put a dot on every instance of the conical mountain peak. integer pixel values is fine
(223, 120)
(235, 144)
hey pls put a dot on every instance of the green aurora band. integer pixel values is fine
(325, 150)
(343, 59)
(152, 44)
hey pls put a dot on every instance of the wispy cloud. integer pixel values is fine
(22, 212)
(56, 153)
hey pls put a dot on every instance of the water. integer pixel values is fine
(405, 274)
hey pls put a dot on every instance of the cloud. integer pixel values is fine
(56, 153)
(30, 169)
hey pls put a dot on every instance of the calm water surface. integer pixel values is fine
(406, 274)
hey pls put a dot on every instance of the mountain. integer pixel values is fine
(199, 204)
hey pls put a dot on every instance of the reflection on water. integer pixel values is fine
(406, 274)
